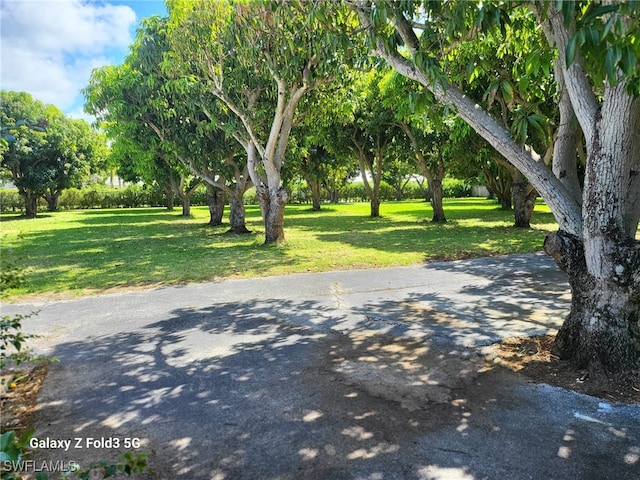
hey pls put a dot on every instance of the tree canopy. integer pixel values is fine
(47, 155)
(553, 87)
(598, 223)
(259, 59)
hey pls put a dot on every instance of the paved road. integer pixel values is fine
(370, 374)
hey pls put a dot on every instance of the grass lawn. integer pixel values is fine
(89, 251)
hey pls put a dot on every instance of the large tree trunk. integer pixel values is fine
(216, 201)
(316, 190)
(186, 205)
(374, 204)
(602, 332)
(437, 195)
(237, 214)
(52, 200)
(272, 207)
(30, 203)
(524, 199)
(168, 192)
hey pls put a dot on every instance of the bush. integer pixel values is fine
(10, 201)
(131, 196)
(454, 188)
(387, 192)
(70, 198)
(413, 191)
(199, 197)
(354, 192)
(99, 196)
(250, 197)
(12, 338)
(90, 198)
(299, 192)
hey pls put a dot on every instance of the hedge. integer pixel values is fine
(135, 196)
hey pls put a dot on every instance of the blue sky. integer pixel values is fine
(49, 47)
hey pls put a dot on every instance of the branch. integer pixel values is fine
(240, 114)
(577, 83)
(276, 124)
(422, 163)
(566, 210)
(408, 35)
(252, 161)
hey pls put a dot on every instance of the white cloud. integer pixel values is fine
(49, 47)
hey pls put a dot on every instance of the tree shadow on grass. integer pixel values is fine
(448, 241)
(5, 218)
(150, 259)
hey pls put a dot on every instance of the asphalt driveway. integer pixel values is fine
(365, 374)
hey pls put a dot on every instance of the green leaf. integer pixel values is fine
(608, 26)
(537, 121)
(110, 471)
(572, 49)
(628, 60)
(592, 36)
(507, 91)
(6, 439)
(611, 59)
(23, 441)
(598, 12)
(568, 8)
(520, 129)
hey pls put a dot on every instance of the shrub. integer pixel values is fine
(10, 200)
(90, 198)
(454, 188)
(70, 199)
(250, 197)
(354, 192)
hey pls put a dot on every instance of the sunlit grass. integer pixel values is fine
(85, 251)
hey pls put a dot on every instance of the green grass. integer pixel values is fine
(87, 251)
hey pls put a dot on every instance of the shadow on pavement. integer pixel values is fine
(238, 391)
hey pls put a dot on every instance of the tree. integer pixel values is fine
(427, 130)
(318, 157)
(398, 172)
(497, 71)
(191, 130)
(130, 103)
(598, 81)
(46, 157)
(311, 162)
(78, 151)
(429, 146)
(368, 133)
(259, 59)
